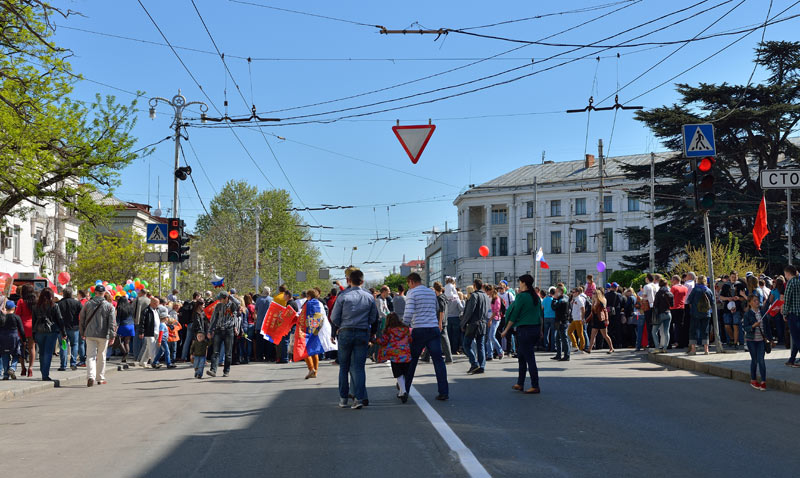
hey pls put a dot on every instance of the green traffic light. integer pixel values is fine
(707, 201)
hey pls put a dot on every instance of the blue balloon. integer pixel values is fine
(98, 282)
(132, 295)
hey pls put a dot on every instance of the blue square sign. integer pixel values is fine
(698, 140)
(156, 233)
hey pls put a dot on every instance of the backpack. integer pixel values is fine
(703, 304)
(42, 321)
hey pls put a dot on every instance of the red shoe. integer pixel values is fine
(30, 372)
(763, 386)
(755, 385)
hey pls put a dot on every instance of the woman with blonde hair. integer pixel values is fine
(599, 320)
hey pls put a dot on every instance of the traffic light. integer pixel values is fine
(177, 241)
(705, 183)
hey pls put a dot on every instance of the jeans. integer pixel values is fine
(455, 334)
(639, 330)
(757, 350)
(96, 358)
(136, 347)
(549, 333)
(562, 344)
(74, 339)
(282, 348)
(353, 346)
(430, 338)
(162, 351)
(222, 337)
(699, 330)
(661, 331)
(480, 360)
(494, 344)
(9, 362)
(199, 364)
(794, 331)
(187, 342)
(47, 344)
(528, 337)
(173, 348)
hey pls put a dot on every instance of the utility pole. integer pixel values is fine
(652, 212)
(535, 249)
(280, 280)
(789, 223)
(178, 104)
(257, 281)
(601, 238)
(711, 276)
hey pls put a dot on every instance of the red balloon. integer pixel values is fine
(63, 278)
(483, 251)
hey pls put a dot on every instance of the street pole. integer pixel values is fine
(569, 252)
(601, 238)
(789, 223)
(711, 282)
(535, 264)
(280, 281)
(178, 104)
(652, 212)
(258, 243)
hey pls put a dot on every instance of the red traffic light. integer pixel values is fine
(705, 164)
(173, 234)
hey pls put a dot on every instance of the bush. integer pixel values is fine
(638, 282)
(726, 258)
(625, 277)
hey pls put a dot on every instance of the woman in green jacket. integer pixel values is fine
(525, 314)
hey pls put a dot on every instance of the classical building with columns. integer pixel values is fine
(555, 206)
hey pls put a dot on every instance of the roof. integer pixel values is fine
(570, 170)
(417, 263)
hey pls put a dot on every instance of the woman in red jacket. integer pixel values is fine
(24, 310)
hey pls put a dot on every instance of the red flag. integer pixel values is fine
(278, 322)
(544, 264)
(760, 229)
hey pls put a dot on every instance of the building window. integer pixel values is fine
(555, 242)
(633, 204)
(580, 240)
(580, 206)
(503, 246)
(493, 250)
(476, 275)
(17, 243)
(498, 276)
(529, 242)
(609, 236)
(555, 207)
(580, 277)
(499, 216)
(608, 204)
(555, 277)
(529, 212)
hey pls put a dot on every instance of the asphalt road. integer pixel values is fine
(597, 416)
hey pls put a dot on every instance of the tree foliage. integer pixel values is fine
(112, 257)
(226, 238)
(752, 128)
(59, 149)
(725, 255)
(624, 277)
(394, 280)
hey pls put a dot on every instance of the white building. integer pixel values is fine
(554, 206)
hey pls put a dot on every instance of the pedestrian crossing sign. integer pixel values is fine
(698, 140)
(156, 233)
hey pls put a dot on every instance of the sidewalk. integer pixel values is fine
(22, 386)
(735, 365)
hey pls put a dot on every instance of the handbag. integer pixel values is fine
(43, 323)
(767, 343)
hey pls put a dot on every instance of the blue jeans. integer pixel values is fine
(549, 333)
(246, 345)
(480, 360)
(163, 351)
(74, 339)
(661, 331)
(455, 334)
(757, 350)
(173, 348)
(562, 343)
(282, 348)
(222, 337)
(528, 336)
(493, 345)
(430, 338)
(698, 332)
(199, 365)
(47, 344)
(639, 330)
(9, 362)
(794, 331)
(353, 346)
(186, 343)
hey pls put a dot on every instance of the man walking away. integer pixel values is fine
(679, 293)
(222, 331)
(422, 316)
(98, 324)
(473, 325)
(70, 309)
(148, 330)
(560, 307)
(260, 344)
(791, 310)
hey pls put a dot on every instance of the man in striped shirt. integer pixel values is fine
(426, 324)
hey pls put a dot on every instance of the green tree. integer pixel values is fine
(394, 280)
(624, 277)
(725, 255)
(226, 238)
(112, 257)
(59, 150)
(752, 126)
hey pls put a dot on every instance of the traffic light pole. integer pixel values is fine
(711, 281)
(789, 222)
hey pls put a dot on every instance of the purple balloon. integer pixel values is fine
(601, 266)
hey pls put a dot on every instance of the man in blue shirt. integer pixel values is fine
(355, 320)
(260, 344)
(549, 320)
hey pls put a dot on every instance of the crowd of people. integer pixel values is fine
(352, 324)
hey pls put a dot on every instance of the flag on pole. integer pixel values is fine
(540, 259)
(760, 229)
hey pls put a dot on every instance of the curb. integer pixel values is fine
(720, 371)
(40, 386)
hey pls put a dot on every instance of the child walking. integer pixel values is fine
(395, 346)
(754, 336)
(12, 335)
(162, 340)
(198, 351)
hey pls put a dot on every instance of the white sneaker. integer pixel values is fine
(356, 404)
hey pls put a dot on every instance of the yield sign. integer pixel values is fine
(414, 139)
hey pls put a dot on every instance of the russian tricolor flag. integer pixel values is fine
(540, 259)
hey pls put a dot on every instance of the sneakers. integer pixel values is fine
(532, 390)
(356, 405)
(342, 403)
(90, 382)
(198, 376)
(224, 374)
(565, 359)
(555, 358)
(365, 402)
(762, 386)
(73, 367)
(404, 398)
(12, 373)
(443, 398)
(472, 369)
(157, 366)
(101, 382)
(172, 365)
(211, 373)
(792, 364)
(755, 385)
(478, 370)
(62, 369)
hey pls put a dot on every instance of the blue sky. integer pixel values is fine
(300, 60)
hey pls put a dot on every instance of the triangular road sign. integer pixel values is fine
(699, 142)
(414, 139)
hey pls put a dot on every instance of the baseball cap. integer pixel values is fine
(99, 289)
(11, 305)
(504, 282)
(162, 312)
(748, 274)
(608, 286)
(614, 284)
(233, 291)
(222, 295)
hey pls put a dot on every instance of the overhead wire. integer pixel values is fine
(326, 17)
(553, 14)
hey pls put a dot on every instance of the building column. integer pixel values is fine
(488, 221)
(463, 244)
(512, 229)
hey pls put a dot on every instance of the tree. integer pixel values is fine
(752, 126)
(725, 255)
(226, 238)
(394, 280)
(58, 149)
(112, 257)
(624, 277)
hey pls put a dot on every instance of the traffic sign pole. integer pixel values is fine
(710, 283)
(789, 223)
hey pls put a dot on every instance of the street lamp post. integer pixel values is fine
(178, 104)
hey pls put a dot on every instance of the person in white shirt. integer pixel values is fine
(689, 282)
(650, 289)
(577, 313)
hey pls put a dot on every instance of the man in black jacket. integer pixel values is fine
(473, 324)
(185, 318)
(70, 308)
(148, 330)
